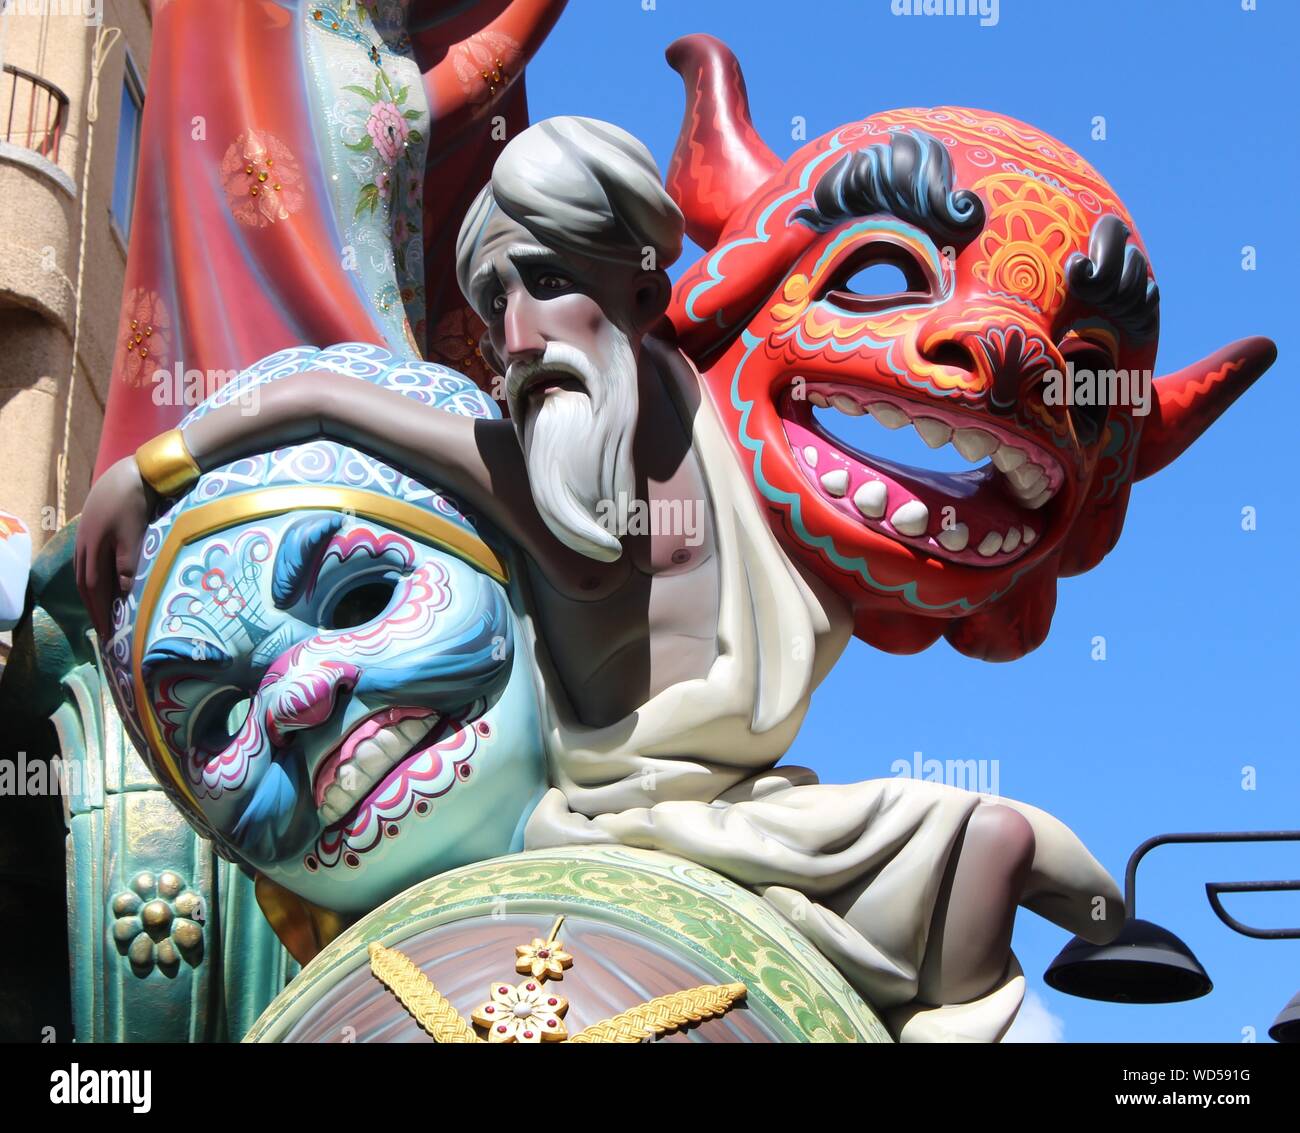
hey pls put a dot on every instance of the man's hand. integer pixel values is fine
(109, 536)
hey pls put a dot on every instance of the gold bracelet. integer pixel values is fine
(166, 464)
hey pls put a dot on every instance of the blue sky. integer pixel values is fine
(1200, 625)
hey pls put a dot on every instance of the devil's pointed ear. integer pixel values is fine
(1186, 403)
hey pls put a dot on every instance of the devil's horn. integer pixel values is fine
(1188, 402)
(720, 159)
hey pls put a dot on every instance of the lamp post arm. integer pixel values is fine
(1130, 873)
(1214, 888)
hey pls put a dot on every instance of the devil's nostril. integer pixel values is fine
(951, 354)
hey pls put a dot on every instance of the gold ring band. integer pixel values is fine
(166, 465)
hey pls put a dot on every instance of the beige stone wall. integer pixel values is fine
(40, 233)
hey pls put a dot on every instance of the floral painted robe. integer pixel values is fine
(304, 168)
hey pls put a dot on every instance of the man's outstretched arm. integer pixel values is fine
(478, 461)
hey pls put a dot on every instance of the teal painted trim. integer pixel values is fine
(760, 234)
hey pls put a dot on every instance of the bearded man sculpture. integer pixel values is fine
(675, 663)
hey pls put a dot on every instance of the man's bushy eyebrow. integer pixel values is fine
(481, 277)
(530, 253)
(910, 178)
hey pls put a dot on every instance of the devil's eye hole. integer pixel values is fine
(881, 276)
(1089, 421)
(359, 604)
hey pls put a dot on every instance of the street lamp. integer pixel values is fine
(1286, 1027)
(1147, 963)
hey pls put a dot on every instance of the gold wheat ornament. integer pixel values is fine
(529, 1012)
(415, 992)
(664, 1014)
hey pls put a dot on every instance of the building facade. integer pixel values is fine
(63, 60)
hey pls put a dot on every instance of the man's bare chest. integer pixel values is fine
(614, 652)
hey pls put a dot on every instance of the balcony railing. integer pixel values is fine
(37, 113)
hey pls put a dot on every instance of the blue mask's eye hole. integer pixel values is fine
(220, 719)
(360, 605)
(237, 715)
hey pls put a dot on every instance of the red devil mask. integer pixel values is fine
(1022, 332)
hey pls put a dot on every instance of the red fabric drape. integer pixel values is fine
(216, 278)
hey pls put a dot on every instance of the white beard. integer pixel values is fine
(578, 448)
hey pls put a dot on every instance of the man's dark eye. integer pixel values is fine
(550, 281)
(360, 605)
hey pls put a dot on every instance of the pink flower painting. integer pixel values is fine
(262, 179)
(388, 130)
(144, 337)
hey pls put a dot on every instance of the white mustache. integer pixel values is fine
(558, 356)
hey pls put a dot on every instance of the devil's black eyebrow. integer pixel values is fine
(910, 178)
(1113, 279)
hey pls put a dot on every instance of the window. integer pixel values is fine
(128, 149)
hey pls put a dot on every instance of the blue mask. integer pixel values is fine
(333, 693)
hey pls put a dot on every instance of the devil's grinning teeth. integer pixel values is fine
(934, 433)
(870, 499)
(1027, 477)
(911, 518)
(955, 538)
(1031, 476)
(887, 415)
(974, 444)
(836, 482)
(1007, 458)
